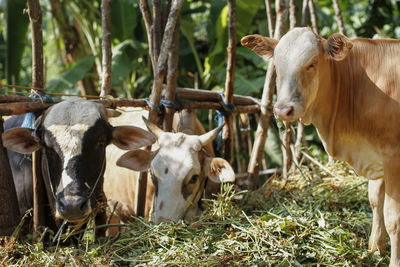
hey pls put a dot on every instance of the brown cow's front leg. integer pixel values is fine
(392, 207)
(376, 195)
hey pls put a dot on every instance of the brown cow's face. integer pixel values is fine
(296, 62)
(297, 58)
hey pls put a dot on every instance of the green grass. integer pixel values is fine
(311, 220)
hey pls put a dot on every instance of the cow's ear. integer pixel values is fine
(131, 137)
(136, 160)
(262, 46)
(337, 46)
(219, 170)
(22, 140)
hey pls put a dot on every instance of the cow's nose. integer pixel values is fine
(72, 207)
(284, 112)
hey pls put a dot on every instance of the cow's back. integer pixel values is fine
(121, 184)
(21, 167)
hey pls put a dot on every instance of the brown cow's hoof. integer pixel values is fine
(377, 245)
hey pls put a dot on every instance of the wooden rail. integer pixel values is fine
(197, 99)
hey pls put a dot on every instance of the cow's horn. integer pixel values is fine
(208, 137)
(111, 113)
(153, 128)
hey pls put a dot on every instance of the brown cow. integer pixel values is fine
(179, 166)
(350, 90)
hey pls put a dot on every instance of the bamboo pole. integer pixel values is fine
(339, 18)
(106, 47)
(9, 210)
(35, 17)
(227, 135)
(251, 182)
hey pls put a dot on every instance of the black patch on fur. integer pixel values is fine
(84, 168)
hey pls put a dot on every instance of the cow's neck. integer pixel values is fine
(358, 98)
(326, 110)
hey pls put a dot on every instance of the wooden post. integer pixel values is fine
(148, 21)
(338, 16)
(293, 13)
(227, 135)
(251, 182)
(287, 135)
(241, 165)
(9, 210)
(106, 47)
(269, 18)
(304, 13)
(172, 77)
(313, 16)
(39, 218)
(300, 126)
(159, 72)
(35, 17)
(161, 67)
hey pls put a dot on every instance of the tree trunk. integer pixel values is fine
(9, 210)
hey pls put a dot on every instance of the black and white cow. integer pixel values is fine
(73, 136)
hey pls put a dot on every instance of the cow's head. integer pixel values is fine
(73, 135)
(297, 57)
(179, 170)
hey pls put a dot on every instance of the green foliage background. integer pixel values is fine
(203, 42)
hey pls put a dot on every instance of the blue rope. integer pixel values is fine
(148, 102)
(227, 109)
(30, 118)
(170, 104)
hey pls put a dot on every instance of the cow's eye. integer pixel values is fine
(312, 65)
(194, 179)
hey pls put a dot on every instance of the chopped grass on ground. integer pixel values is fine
(313, 219)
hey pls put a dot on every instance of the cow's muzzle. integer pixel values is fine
(73, 208)
(284, 112)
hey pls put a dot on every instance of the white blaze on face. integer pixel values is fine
(67, 122)
(175, 162)
(69, 139)
(293, 56)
